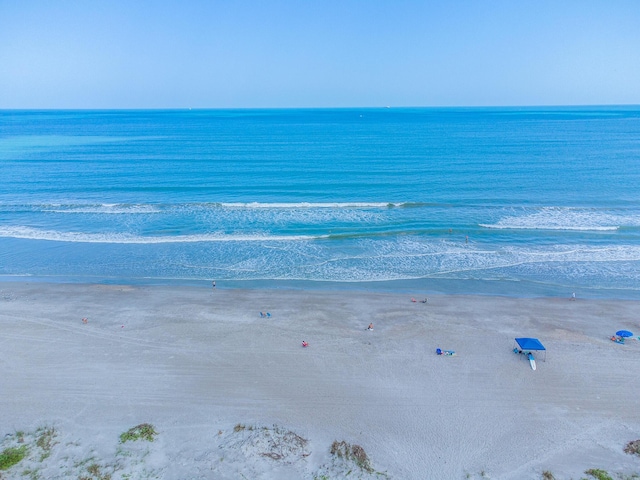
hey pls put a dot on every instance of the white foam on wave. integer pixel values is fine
(321, 218)
(408, 259)
(92, 208)
(549, 227)
(246, 257)
(103, 208)
(145, 208)
(29, 233)
(310, 205)
(564, 218)
(316, 261)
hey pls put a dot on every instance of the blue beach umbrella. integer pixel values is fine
(624, 333)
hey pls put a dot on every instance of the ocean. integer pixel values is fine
(506, 201)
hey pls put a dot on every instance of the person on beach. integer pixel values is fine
(424, 301)
(573, 296)
(304, 343)
(213, 284)
(85, 321)
(370, 327)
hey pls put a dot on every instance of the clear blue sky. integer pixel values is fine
(317, 53)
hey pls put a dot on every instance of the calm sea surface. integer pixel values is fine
(512, 201)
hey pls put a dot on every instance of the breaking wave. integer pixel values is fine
(81, 237)
(562, 218)
(143, 208)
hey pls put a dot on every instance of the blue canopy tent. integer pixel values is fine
(624, 333)
(531, 344)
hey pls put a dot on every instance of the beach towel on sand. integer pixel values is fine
(449, 353)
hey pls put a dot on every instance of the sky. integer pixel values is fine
(317, 53)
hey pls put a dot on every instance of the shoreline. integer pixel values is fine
(195, 362)
(421, 287)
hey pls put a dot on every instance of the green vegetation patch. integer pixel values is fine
(144, 431)
(12, 455)
(598, 474)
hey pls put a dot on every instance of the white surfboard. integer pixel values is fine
(532, 361)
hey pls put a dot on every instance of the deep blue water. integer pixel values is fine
(513, 201)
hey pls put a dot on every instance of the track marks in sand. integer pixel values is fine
(119, 335)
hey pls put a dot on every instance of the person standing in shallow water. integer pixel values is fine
(213, 284)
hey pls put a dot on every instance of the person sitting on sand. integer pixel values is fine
(413, 300)
(423, 301)
(370, 327)
(304, 343)
(85, 321)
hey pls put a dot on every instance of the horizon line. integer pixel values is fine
(385, 107)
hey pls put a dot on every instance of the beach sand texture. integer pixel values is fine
(234, 395)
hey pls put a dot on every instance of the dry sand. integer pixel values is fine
(233, 395)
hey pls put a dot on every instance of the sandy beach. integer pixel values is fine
(234, 395)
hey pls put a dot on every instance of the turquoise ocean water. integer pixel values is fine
(512, 201)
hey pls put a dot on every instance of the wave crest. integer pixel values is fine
(156, 207)
(563, 218)
(28, 233)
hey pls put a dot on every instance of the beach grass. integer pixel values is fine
(11, 456)
(144, 431)
(280, 445)
(95, 472)
(598, 474)
(354, 453)
(45, 440)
